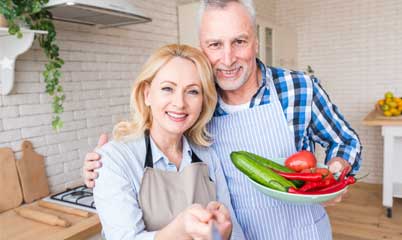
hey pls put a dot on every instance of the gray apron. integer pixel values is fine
(164, 194)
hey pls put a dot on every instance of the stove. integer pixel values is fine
(79, 197)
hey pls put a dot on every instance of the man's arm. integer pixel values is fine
(329, 128)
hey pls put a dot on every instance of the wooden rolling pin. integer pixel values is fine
(42, 217)
(64, 209)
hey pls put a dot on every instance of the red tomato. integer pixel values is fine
(301, 160)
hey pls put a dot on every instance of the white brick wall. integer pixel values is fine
(100, 66)
(352, 45)
(355, 48)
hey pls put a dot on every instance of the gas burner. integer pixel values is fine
(78, 197)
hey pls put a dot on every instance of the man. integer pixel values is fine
(268, 111)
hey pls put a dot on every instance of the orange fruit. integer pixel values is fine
(381, 102)
(392, 104)
(395, 112)
(387, 113)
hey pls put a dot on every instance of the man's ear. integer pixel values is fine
(256, 46)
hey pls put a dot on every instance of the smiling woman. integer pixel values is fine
(159, 180)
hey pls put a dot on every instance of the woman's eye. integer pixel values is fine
(167, 89)
(194, 92)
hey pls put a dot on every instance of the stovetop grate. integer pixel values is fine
(81, 196)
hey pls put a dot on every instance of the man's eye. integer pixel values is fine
(240, 42)
(214, 45)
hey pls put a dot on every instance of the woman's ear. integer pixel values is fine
(146, 95)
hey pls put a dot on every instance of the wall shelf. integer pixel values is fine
(10, 48)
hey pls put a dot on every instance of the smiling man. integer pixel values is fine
(269, 111)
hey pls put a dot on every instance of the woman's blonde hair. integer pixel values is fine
(141, 114)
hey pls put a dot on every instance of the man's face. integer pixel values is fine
(228, 39)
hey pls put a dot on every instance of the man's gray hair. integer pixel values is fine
(247, 4)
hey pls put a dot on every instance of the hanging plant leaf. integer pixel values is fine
(32, 14)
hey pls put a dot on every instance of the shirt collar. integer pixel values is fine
(157, 154)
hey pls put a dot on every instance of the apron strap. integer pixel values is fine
(148, 158)
(195, 158)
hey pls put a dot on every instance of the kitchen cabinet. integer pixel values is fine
(13, 226)
(391, 129)
(277, 43)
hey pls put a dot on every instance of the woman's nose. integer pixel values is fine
(178, 99)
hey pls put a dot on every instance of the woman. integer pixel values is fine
(159, 180)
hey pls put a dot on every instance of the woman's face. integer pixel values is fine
(175, 97)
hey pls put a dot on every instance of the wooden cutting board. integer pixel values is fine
(31, 169)
(11, 195)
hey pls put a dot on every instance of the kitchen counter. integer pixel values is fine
(15, 227)
(391, 130)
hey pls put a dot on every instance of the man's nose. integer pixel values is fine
(228, 56)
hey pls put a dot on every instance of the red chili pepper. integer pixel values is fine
(330, 189)
(345, 171)
(312, 177)
(317, 185)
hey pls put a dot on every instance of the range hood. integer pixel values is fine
(96, 12)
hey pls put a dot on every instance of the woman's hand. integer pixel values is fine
(193, 223)
(221, 218)
(92, 162)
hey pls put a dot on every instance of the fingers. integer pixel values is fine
(103, 139)
(92, 161)
(213, 205)
(200, 213)
(89, 183)
(336, 200)
(337, 164)
(218, 207)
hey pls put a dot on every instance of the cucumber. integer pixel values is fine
(260, 173)
(266, 162)
(271, 164)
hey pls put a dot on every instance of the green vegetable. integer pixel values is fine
(271, 164)
(260, 173)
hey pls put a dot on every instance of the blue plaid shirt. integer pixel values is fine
(310, 114)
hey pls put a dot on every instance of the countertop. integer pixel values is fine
(15, 227)
(376, 118)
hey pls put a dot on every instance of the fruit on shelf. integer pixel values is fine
(390, 105)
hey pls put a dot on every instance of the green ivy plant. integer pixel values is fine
(30, 13)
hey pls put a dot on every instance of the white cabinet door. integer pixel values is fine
(285, 47)
(277, 45)
(188, 32)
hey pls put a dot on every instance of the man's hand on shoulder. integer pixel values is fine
(93, 161)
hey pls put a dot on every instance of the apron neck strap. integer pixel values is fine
(148, 158)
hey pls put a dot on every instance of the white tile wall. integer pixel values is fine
(355, 48)
(100, 66)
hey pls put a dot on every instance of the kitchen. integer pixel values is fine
(346, 43)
